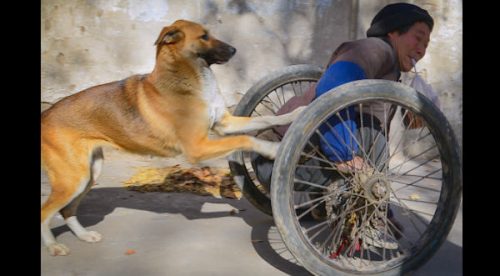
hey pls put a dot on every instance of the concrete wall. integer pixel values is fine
(85, 43)
(88, 42)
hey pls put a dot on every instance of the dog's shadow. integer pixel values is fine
(100, 202)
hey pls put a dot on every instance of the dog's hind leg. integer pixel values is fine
(233, 124)
(69, 211)
(69, 175)
(59, 197)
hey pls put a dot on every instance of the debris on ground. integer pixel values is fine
(216, 182)
(234, 212)
(415, 197)
(130, 252)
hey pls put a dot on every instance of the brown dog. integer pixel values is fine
(165, 113)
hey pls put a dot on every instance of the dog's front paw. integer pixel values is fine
(90, 236)
(296, 112)
(58, 249)
(267, 148)
(300, 109)
(274, 150)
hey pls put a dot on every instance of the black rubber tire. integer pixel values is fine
(297, 136)
(246, 106)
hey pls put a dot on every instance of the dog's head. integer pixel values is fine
(192, 40)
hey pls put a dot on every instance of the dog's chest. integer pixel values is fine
(212, 96)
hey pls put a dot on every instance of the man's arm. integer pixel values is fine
(338, 144)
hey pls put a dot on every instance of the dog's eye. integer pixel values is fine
(204, 37)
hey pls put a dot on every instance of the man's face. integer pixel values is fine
(411, 44)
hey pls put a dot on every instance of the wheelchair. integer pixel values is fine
(387, 217)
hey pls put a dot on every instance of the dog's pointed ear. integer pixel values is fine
(170, 35)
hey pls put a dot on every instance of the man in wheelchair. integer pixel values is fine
(397, 38)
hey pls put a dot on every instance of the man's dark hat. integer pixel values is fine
(397, 15)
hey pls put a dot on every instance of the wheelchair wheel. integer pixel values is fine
(386, 217)
(266, 97)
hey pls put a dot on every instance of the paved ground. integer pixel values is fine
(185, 234)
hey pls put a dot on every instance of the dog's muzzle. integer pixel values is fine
(219, 54)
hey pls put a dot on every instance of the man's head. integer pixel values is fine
(407, 27)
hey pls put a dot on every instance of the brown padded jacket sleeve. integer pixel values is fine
(375, 56)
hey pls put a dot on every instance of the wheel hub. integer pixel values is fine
(376, 188)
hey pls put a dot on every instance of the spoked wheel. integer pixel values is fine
(266, 97)
(385, 217)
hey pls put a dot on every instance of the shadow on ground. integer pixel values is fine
(267, 243)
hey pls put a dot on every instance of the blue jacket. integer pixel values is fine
(371, 58)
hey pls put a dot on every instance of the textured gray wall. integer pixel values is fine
(89, 42)
(85, 43)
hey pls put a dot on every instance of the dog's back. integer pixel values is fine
(83, 110)
(103, 114)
